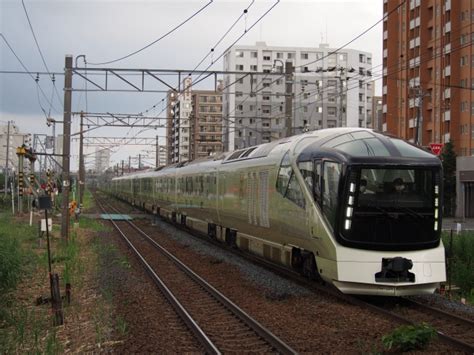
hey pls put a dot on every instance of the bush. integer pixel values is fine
(409, 337)
(462, 264)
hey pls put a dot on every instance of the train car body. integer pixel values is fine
(356, 208)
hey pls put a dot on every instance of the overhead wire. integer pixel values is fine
(158, 39)
(41, 54)
(26, 70)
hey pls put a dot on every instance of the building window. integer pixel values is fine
(239, 67)
(253, 68)
(266, 57)
(290, 55)
(238, 94)
(280, 55)
(253, 54)
(304, 55)
(361, 58)
(463, 60)
(239, 54)
(240, 107)
(463, 106)
(331, 98)
(331, 111)
(332, 83)
(369, 60)
(240, 81)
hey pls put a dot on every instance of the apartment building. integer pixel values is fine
(428, 80)
(326, 89)
(428, 74)
(194, 127)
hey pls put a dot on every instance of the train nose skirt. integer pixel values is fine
(395, 270)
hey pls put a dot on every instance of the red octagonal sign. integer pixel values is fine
(436, 148)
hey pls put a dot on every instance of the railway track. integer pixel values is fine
(451, 329)
(217, 323)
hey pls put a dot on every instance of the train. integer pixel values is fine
(352, 207)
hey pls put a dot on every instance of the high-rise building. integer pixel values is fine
(194, 127)
(326, 89)
(102, 159)
(428, 72)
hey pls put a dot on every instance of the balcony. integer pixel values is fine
(411, 123)
(385, 53)
(384, 90)
(384, 127)
(384, 108)
(385, 34)
(447, 48)
(447, 137)
(447, 5)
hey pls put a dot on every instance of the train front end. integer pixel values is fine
(381, 205)
(389, 230)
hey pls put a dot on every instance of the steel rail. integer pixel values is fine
(280, 346)
(327, 289)
(434, 310)
(178, 307)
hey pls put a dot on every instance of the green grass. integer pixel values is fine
(462, 262)
(92, 224)
(87, 200)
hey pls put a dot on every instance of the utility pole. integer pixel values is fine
(82, 178)
(20, 151)
(288, 97)
(7, 159)
(139, 161)
(66, 147)
(129, 163)
(157, 158)
(122, 168)
(419, 119)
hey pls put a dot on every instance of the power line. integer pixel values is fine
(356, 37)
(26, 70)
(158, 39)
(41, 54)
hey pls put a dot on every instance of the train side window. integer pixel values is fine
(294, 193)
(317, 181)
(284, 174)
(306, 169)
(330, 184)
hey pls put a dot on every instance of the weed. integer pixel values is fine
(53, 345)
(92, 224)
(462, 267)
(121, 326)
(409, 337)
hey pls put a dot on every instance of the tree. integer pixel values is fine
(448, 157)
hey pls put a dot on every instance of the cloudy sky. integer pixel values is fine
(109, 29)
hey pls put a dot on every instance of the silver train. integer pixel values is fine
(350, 206)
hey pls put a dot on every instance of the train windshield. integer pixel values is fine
(396, 209)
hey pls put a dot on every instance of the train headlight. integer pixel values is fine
(436, 189)
(436, 213)
(352, 187)
(351, 200)
(436, 225)
(347, 224)
(349, 212)
(436, 202)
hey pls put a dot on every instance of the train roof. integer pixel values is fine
(347, 144)
(365, 146)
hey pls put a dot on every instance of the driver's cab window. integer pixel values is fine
(330, 188)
